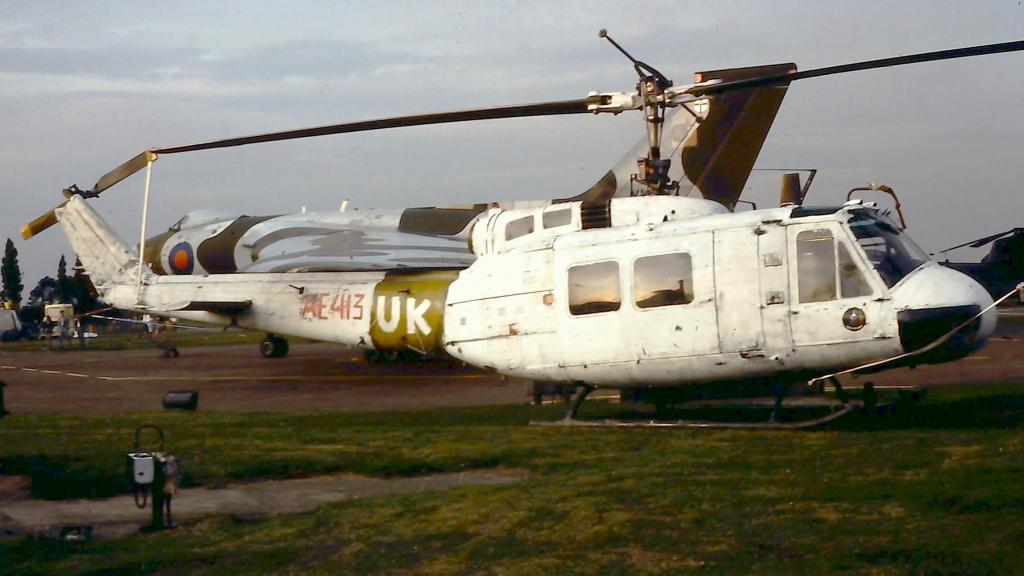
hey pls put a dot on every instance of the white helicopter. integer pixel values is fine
(636, 283)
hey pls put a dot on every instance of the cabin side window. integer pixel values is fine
(816, 266)
(518, 227)
(663, 280)
(556, 218)
(594, 288)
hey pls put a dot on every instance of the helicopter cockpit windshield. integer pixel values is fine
(892, 252)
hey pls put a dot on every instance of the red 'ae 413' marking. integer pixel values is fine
(342, 306)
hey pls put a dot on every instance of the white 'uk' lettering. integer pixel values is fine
(414, 316)
(388, 324)
(389, 317)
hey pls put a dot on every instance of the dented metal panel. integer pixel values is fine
(500, 311)
(774, 280)
(738, 290)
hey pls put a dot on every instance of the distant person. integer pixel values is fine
(151, 325)
(64, 325)
(47, 330)
(172, 476)
(80, 332)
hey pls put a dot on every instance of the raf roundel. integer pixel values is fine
(181, 259)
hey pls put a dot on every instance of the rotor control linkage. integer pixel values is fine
(74, 190)
(651, 87)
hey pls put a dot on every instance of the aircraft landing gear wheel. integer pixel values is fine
(273, 347)
(382, 356)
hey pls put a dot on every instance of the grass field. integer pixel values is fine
(938, 489)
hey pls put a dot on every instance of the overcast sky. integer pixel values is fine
(85, 86)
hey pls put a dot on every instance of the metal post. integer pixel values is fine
(158, 494)
(142, 234)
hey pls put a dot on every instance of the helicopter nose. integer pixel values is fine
(934, 300)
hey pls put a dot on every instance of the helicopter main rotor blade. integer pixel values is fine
(982, 241)
(555, 108)
(593, 104)
(857, 66)
(123, 171)
(578, 106)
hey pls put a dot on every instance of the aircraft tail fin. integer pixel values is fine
(106, 259)
(713, 145)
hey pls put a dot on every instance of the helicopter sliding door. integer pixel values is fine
(590, 300)
(672, 308)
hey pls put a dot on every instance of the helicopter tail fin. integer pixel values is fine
(718, 156)
(106, 259)
(712, 156)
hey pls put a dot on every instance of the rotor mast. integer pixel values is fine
(651, 87)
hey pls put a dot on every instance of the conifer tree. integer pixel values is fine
(11, 274)
(85, 292)
(63, 286)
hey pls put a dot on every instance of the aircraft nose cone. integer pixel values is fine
(934, 300)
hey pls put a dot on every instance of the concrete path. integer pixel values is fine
(117, 517)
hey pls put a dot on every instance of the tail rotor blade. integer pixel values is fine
(109, 179)
(41, 223)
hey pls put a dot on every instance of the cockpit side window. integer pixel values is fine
(816, 266)
(851, 280)
(891, 252)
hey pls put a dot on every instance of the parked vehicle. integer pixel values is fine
(10, 325)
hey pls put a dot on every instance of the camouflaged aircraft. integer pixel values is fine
(648, 279)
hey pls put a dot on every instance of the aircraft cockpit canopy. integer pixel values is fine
(890, 250)
(199, 217)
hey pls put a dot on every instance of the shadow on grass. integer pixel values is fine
(58, 476)
(988, 408)
(995, 412)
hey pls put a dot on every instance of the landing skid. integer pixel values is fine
(843, 410)
(868, 404)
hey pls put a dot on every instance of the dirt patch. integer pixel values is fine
(117, 517)
(15, 488)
